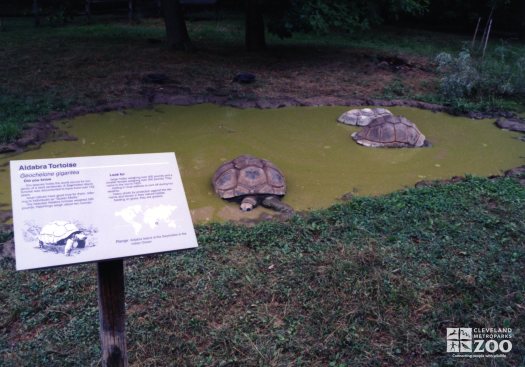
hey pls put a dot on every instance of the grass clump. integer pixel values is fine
(16, 110)
(375, 281)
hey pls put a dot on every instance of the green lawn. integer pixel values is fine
(371, 282)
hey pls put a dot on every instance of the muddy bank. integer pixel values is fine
(37, 133)
(518, 173)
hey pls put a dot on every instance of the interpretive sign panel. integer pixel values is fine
(75, 210)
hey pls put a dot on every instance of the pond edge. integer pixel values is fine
(36, 133)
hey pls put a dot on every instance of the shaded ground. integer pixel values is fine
(104, 63)
(88, 66)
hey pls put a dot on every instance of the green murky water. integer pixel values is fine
(320, 160)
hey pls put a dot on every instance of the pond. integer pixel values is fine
(319, 159)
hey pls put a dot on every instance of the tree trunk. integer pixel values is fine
(131, 11)
(254, 29)
(36, 13)
(176, 32)
(87, 7)
(522, 21)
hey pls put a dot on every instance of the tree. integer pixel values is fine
(321, 17)
(176, 31)
(254, 25)
(284, 17)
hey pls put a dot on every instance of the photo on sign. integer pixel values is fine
(68, 238)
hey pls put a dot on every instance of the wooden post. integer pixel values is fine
(475, 34)
(486, 39)
(112, 313)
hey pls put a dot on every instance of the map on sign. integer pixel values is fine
(153, 217)
(75, 210)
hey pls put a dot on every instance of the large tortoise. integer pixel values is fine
(60, 233)
(251, 180)
(363, 116)
(390, 132)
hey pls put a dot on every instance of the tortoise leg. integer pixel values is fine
(69, 247)
(274, 203)
(248, 203)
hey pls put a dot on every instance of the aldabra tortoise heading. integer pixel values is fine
(251, 181)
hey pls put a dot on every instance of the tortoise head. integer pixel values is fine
(248, 203)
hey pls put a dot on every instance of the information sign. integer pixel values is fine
(83, 209)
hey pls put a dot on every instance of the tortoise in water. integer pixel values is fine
(390, 132)
(363, 116)
(251, 180)
(60, 233)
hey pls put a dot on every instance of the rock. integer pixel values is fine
(8, 148)
(476, 115)
(428, 183)
(513, 124)
(515, 172)
(7, 249)
(425, 183)
(5, 215)
(347, 197)
(155, 78)
(244, 78)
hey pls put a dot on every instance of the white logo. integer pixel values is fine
(465, 341)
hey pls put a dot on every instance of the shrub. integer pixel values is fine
(468, 78)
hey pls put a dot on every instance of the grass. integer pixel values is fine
(371, 282)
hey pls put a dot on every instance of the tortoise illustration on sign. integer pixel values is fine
(251, 180)
(61, 236)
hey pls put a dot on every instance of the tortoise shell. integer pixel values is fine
(390, 131)
(363, 116)
(56, 231)
(247, 175)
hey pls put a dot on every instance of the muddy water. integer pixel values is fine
(320, 160)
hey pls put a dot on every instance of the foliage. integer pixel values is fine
(322, 17)
(469, 78)
(396, 89)
(370, 282)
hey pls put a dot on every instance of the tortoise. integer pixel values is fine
(60, 233)
(362, 117)
(390, 132)
(251, 181)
